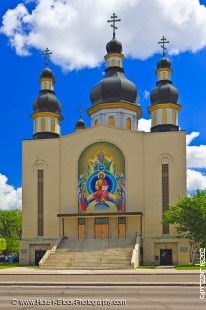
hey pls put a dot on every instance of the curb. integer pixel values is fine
(101, 284)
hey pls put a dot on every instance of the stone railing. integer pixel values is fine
(48, 252)
(136, 253)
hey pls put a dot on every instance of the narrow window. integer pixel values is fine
(40, 192)
(155, 118)
(128, 123)
(174, 121)
(165, 194)
(52, 125)
(111, 121)
(96, 122)
(43, 124)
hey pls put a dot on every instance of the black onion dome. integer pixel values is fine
(47, 73)
(47, 102)
(115, 87)
(164, 63)
(80, 123)
(165, 92)
(114, 46)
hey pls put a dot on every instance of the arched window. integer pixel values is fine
(43, 127)
(52, 125)
(96, 123)
(128, 123)
(174, 117)
(111, 121)
(113, 62)
(164, 117)
(155, 118)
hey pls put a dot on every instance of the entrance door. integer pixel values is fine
(122, 227)
(81, 228)
(166, 257)
(38, 256)
(101, 228)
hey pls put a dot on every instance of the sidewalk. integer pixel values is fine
(158, 271)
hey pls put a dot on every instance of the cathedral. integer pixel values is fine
(110, 181)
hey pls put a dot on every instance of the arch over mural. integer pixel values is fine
(101, 179)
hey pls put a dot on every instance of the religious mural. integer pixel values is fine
(101, 184)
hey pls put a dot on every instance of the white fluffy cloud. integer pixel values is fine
(196, 159)
(144, 124)
(196, 155)
(10, 198)
(76, 30)
(195, 180)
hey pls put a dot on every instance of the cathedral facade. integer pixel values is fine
(109, 181)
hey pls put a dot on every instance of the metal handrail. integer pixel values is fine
(103, 250)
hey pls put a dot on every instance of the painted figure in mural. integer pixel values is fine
(101, 163)
(120, 196)
(101, 186)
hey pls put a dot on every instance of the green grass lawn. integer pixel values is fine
(9, 265)
(183, 267)
(190, 267)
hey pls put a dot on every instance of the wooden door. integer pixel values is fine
(101, 231)
(122, 227)
(81, 228)
(81, 231)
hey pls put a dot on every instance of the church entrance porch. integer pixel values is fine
(101, 225)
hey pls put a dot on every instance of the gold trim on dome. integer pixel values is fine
(163, 69)
(114, 55)
(158, 106)
(47, 114)
(115, 105)
(46, 80)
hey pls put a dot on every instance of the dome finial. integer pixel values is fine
(80, 124)
(163, 42)
(113, 21)
(80, 110)
(47, 54)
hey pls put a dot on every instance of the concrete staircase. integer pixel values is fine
(118, 254)
(91, 254)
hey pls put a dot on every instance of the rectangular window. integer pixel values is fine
(165, 194)
(122, 220)
(101, 220)
(81, 221)
(40, 193)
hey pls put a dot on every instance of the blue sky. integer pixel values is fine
(77, 32)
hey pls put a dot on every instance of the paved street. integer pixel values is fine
(127, 298)
(95, 279)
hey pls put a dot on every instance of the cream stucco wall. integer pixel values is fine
(143, 154)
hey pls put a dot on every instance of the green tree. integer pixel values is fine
(3, 245)
(10, 228)
(189, 214)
